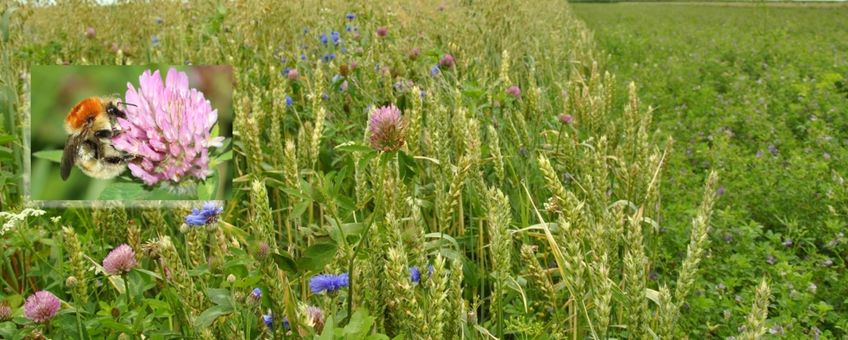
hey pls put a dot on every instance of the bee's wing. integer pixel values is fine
(69, 155)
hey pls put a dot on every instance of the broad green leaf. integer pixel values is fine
(359, 325)
(50, 155)
(285, 262)
(316, 257)
(219, 296)
(124, 191)
(208, 316)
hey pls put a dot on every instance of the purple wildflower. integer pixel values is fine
(168, 127)
(256, 294)
(414, 274)
(262, 250)
(323, 38)
(207, 215)
(772, 149)
(316, 317)
(120, 260)
(382, 31)
(90, 33)
(446, 61)
(720, 191)
(414, 53)
(5, 312)
(41, 306)
(566, 119)
(289, 101)
(788, 242)
(514, 91)
(386, 129)
(343, 86)
(327, 282)
(434, 71)
(268, 319)
(770, 259)
(293, 74)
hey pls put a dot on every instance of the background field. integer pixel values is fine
(760, 93)
(533, 178)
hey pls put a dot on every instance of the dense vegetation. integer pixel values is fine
(464, 170)
(761, 94)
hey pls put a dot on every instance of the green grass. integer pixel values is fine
(728, 82)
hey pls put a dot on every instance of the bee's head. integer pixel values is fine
(113, 111)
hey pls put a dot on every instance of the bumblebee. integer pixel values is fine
(90, 125)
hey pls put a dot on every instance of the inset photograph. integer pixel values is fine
(131, 133)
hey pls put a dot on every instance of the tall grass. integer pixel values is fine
(522, 224)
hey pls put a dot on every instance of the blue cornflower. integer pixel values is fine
(268, 320)
(329, 56)
(414, 274)
(256, 294)
(208, 214)
(155, 40)
(289, 101)
(349, 28)
(159, 20)
(434, 71)
(350, 16)
(303, 56)
(336, 37)
(344, 50)
(423, 94)
(285, 72)
(327, 282)
(324, 39)
(305, 30)
(325, 96)
(286, 324)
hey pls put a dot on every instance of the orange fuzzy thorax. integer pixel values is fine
(86, 109)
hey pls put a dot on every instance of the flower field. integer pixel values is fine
(452, 170)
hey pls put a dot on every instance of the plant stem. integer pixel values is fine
(127, 290)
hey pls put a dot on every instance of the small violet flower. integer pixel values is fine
(204, 216)
(328, 282)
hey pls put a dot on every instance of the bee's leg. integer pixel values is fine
(94, 148)
(114, 160)
(103, 133)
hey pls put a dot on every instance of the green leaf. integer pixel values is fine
(124, 191)
(359, 325)
(6, 138)
(406, 165)
(208, 316)
(149, 273)
(219, 296)
(50, 155)
(317, 256)
(329, 332)
(354, 147)
(285, 262)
